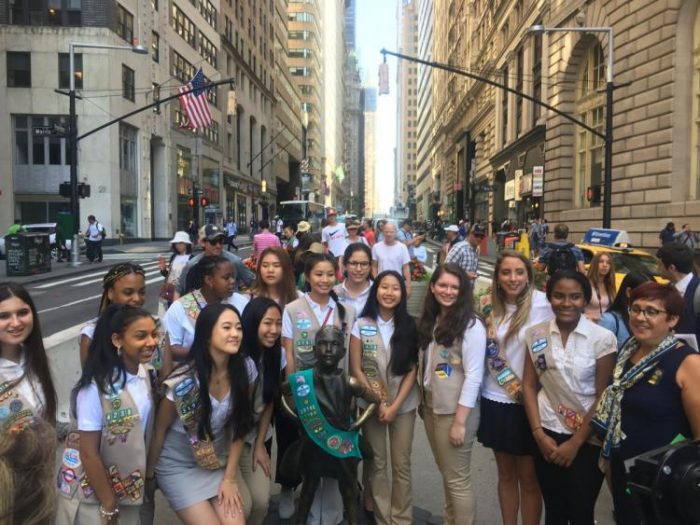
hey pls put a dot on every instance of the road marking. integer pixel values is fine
(81, 277)
(92, 281)
(64, 335)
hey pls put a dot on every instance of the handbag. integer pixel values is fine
(167, 292)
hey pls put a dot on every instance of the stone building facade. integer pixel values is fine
(493, 151)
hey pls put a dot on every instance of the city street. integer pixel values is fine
(66, 303)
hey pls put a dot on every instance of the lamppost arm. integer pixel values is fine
(495, 84)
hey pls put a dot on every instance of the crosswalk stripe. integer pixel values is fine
(92, 281)
(64, 281)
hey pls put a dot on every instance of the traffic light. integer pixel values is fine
(204, 202)
(191, 202)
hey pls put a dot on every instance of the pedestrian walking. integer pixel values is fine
(452, 342)
(465, 255)
(406, 236)
(561, 254)
(231, 234)
(511, 306)
(601, 275)
(203, 420)
(452, 238)
(181, 248)
(352, 229)
(687, 237)
(253, 227)
(384, 358)
(26, 387)
(192, 232)
(103, 472)
(333, 235)
(653, 396)
(264, 239)
(301, 321)
(668, 234)
(95, 235)
(368, 233)
(570, 364)
(279, 226)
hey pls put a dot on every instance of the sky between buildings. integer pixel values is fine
(377, 28)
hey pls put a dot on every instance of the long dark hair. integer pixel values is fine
(267, 360)
(115, 273)
(621, 302)
(358, 247)
(206, 266)
(311, 263)
(404, 341)
(103, 358)
(455, 319)
(240, 416)
(37, 364)
(288, 286)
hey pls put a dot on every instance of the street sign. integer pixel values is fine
(486, 188)
(42, 131)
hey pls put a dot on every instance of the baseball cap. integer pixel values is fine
(452, 228)
(331, 211)
(210, 232)
(478, 230)
(303, 227)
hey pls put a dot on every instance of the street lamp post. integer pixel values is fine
(73, 136)
(609, 90)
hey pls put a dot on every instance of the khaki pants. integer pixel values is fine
(258, 485)
(392, 501)
(454, 463)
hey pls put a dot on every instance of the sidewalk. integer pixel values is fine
(64, 269)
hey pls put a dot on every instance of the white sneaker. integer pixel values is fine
(285, 508)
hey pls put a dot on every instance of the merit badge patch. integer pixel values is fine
(443, 371)
(304, 324)
(505, 376)
(541, 363)
(368, 331)
(185, 387)
(71, 458)
(491, 348)
(539, 345)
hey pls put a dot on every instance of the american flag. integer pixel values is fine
(194, 104)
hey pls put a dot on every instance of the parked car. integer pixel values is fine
(46, 227)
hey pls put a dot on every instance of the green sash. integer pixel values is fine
(338, 443)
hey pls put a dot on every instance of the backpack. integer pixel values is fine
(102, 230)
(561, 258)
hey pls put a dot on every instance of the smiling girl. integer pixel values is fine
(216, 279)
(26, 386)
(354, 290)
(384, 357)
(452, 341)
(275, 277)
(570, 364)
(601, 275)
(512, 305)
(202, 422)
(102, 474)
(301, 321)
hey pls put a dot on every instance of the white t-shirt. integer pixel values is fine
(29, 387)
(473, 356)
(179, 325)
(89, 329)
(515, 349)
(239, 301)
(390, 257)
(94, 231)
(577, 364)
(358, 303)
(334, 236)
(219, 409)
(89, 406)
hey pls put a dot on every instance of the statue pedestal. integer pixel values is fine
(415, 301)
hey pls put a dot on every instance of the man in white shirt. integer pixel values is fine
(333, 235)
(390, 254)
(93, 242)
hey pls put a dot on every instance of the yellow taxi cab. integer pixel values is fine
(625, 257)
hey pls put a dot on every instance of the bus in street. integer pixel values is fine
(292, 212)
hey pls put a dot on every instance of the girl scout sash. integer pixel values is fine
(374, 358)
(496, 361)
(193, 303)
(339, 443)
(15, 410)
(569, 409)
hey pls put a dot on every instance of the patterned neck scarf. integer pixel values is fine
(608, 415)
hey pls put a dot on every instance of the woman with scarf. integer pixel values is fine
(654, 397)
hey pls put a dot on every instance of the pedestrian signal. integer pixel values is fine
(191, 202)
(204, 202)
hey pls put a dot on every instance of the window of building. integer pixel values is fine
(125, 24)
(519, 88)
(211, 133)
(239, 121)
(504, 109)
(128, 179)
(228, 29)
(180, 68)
(128, 83)
(154, 5)
(301, 35)
(39, 151)
(64, 70)
(45, 12)
(590, 108)
(207, 50)
(536, 76)
(155, 46)
(208, 12)
(19, 69)
(183, 26)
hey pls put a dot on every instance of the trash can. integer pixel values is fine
(27, 254)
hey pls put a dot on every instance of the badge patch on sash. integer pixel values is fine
(491, 348)
(572, 419)
(539, 345)
(4, 413)
(655, 377)
(71, 458)
(497, 364)
(443, 371)
(184, 387)
(541, 362)
(505, 376)
(304, 324)
(66, 481)
(368, 331)
(444, 354)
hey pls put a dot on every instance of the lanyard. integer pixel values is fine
(328, 315)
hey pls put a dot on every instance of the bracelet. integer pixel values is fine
(536, 429)
(107, 514)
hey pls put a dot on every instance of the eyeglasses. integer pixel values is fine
(218, 240)
(357, 264)
(649, 312)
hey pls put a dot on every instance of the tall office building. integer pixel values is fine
(353, 139)
(407, 75)
(369, 133)
(425, 196)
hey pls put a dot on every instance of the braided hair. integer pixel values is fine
(114, 274)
